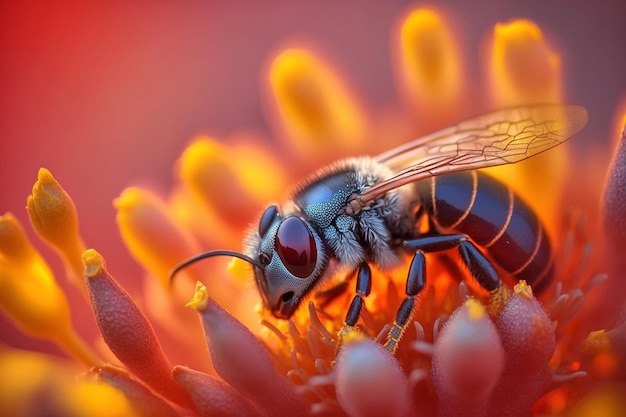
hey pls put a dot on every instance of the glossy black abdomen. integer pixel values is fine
(495, 218)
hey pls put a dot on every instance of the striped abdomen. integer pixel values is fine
(495, 218)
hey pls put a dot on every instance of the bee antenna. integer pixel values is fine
(210, 254)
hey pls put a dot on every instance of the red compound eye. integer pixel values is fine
(296, 247)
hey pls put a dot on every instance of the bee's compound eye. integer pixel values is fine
(267, 219)
(296, 247)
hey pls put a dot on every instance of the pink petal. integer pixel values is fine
(467, 362)
(615, 197)
(127, 331)
(614, 214)
(528, 340)
(243, 361)
(526, 331)
(370, 382)
(213, 397)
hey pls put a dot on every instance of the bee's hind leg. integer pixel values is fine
(415, 282)
(476, 262)
(478, 265)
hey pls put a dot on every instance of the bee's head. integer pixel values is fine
(292, 257)
(287, 256)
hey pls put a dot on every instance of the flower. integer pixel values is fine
(466, 352)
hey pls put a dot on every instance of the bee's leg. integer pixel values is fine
(363, 289)
(478, 265)
(415, 282)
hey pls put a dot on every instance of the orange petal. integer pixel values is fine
(53, 215)
(33, 384)
(223, 179)
(14, 243)
(524, 68)
(204, 222)
(313, 106)
(607, 400)
(30, 295)
(151, 234)
(430, 66)
(22, 374)
(92, 399)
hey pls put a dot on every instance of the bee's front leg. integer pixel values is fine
(363, 289)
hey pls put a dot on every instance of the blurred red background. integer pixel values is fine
(107, 94)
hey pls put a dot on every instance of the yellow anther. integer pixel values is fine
(352, 335)
(597, 342)
(151, 234)
(429, 60)
(53, 215)
(200, 298)
(312, 103)
(93, 262)
(475, 310)
(523, 289)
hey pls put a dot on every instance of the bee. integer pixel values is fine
(366, 211)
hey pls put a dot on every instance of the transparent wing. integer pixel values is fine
(497, 138)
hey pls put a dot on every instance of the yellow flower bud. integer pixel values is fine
(524, 68)
(53, 215)
(430, 64)
(313, 105)
(150, 233)
(30, 295)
